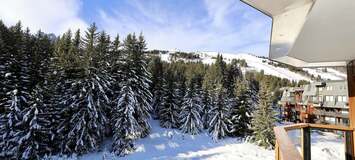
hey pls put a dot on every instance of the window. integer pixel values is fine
(329, 98)
(345, 98)
(329, 88)
(320, 98)
(342, 98)
(314, 98)
(320, 89)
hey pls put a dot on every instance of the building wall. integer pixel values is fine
(323, 102)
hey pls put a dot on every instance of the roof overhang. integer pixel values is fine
(310, 33)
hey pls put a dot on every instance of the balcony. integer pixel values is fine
(286, 150)
(310, 33)
(330, 114)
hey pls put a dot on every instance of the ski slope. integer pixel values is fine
(331, 74)
(257, 64)
(164, 144)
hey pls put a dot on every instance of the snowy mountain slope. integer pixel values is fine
(255, 63)
(163, 144)
(331, 74)
(258, 64)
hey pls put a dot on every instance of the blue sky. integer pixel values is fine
(189, 25)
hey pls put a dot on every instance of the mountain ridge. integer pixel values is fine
(256, 63)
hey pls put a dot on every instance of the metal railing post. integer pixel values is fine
(349, 139)
(306, 143)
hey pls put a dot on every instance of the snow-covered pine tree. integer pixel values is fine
(264, 119)
(140, 76)
(25, 63)
(42, 50)
(219, 120)
(11, 121)
(5, 37)
(126, 128)
(116, 59)
(116, 66)
(103, 53)
(59, 83)
(241, 113)
(156, 87)
(17, 87)
(53, 90)
(34, 140)
(254, 91)
(134, 89)
(180, 90)
(17, 76)
(89, 44)
(221, 68)
(114, 69)
(215, 75)
(206, 107)
(4, 54)
(35, 124)
(190, 118)
(233, 74)
(83, 117)
(168, 111)
(116, 47)
(87, 122)
(254, 88)
(106, 49)
(145, 96)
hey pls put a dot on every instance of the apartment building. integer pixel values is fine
(319, 102)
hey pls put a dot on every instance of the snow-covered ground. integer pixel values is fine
(257, 64)
(163, 144)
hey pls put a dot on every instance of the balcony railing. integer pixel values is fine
(331, 114)
(286, 150)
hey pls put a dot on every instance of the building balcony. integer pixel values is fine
(330, 114)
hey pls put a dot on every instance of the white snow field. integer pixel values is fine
(257, 64)
(163, 144)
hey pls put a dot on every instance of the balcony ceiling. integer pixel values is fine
(310, 33)
(275, 7)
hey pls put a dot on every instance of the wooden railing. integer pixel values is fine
(286, 150)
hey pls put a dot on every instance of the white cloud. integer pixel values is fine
(153, 11)
(218, 10)
(53, 16)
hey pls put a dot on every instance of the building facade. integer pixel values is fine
(319, 102)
